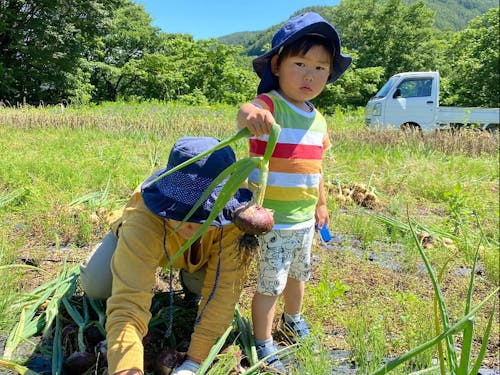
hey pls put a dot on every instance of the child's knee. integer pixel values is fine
(95, 272)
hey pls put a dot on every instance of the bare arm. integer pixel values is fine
(321, 215)
(257, 120)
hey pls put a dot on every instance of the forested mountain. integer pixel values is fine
(451, 15)
(456, 14)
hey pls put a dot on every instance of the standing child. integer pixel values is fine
(305, 56)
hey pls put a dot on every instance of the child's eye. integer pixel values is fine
(300, 64)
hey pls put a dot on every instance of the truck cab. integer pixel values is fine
(407, 100)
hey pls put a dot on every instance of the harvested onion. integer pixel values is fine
(253, 219)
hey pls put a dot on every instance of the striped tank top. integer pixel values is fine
(295, 167)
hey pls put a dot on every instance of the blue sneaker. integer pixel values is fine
(296, 330)
(273, 363)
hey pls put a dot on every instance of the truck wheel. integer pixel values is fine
(410, 127)
(492, 128)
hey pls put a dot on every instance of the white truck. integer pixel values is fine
(411, 101)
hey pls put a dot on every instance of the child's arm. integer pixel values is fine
(257, 119)
(321, 214)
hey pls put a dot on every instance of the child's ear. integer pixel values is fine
(274, 65)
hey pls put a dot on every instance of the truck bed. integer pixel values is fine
(484, 118)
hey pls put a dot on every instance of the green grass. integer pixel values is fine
(54, 190)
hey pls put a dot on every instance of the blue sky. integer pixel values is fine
(210, 19)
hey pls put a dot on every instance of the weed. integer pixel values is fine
(366, 337)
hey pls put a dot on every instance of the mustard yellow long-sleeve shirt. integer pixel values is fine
(138, 254)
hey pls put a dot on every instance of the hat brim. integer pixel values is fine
(167, 206)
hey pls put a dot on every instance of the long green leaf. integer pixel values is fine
(42, 289)
(406, 228)
(264, 167)
(98, 309)
(31, 322)
(484, 345)
(246, 338)
(467, 337)
(65, 287)
(57, 350)
(442, 306)
(79, 320)
(6, 199)
(245, 167)
(271, 142)
(27, 329)
(239, 172)
(214, 351)
(15, 337)
(75, 315)
(22, 370)
(225, 142)
(287, 350)
(463, 368)
(442, 367)
(449, 332)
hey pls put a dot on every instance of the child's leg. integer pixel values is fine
(299, 272)
(292, 320)
(263, 308)
(293, 296)
(95, 272)
(276, 257)
(273, 267)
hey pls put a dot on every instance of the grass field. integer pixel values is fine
(62, 172)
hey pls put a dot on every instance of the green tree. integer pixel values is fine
(42, 43)
(389, 34)
(196, 72)
(219, 76)
(353, 89)
(129, 38)
(474, 64)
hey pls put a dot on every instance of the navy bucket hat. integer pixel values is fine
(295, 28)
(174, 195)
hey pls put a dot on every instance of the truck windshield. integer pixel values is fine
(385, 89)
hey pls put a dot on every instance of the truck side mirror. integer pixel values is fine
(397, 93)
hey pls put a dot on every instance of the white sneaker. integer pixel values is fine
(187, 367)
(178, 371)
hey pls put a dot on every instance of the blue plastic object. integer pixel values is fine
(325, 234)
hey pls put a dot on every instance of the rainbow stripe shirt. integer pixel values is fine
(295, 169)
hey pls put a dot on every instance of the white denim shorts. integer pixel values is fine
(285, 253)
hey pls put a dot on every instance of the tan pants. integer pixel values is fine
(96, 277)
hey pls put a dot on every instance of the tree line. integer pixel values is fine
(90, 51)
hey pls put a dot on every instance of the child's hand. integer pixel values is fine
(259, 121)
(321, 215)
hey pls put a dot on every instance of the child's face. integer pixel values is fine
(302, 78)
